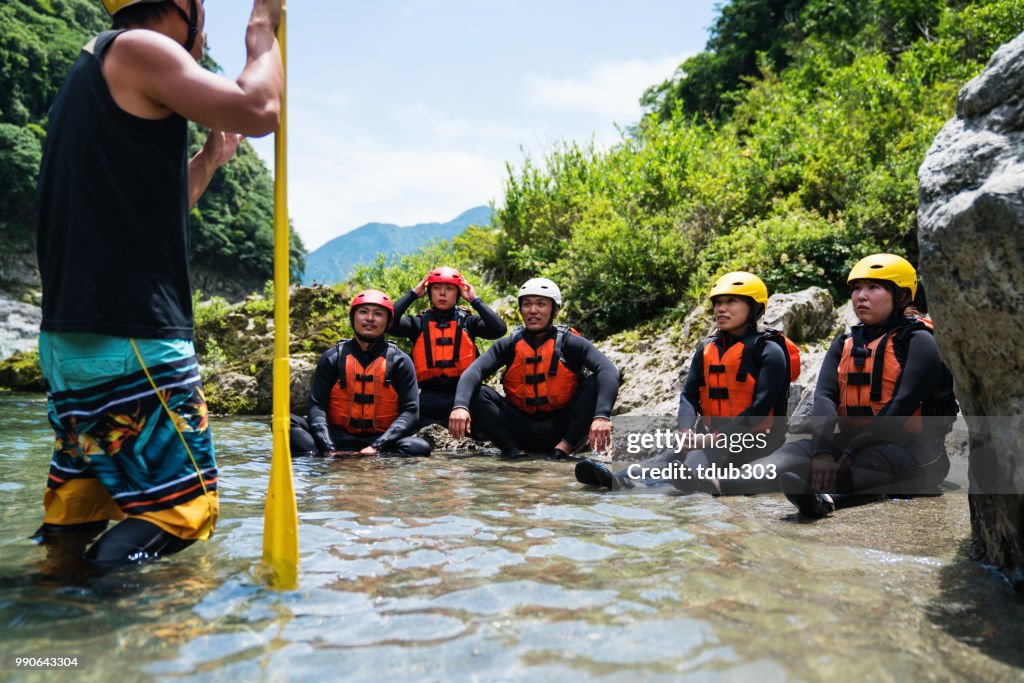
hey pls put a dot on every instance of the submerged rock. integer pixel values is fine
(971, 218)
(21, 372)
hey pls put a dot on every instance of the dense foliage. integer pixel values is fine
(814, 165)
(789, 147)
(232, 226)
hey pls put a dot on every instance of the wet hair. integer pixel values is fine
(756, 311)
(142, 14)
(902, 302)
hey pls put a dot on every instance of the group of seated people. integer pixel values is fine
(370, 397)
(868, 439)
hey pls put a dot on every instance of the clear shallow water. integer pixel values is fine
(450, 568)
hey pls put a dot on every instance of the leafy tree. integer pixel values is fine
(743, 30)
(812, 164)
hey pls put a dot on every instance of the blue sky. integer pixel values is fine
(407, 111)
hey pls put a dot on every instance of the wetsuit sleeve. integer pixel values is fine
(405, 326)
(826, 400)
(582, 352)
(483, 367)
(403, 379)
(917, 381)
(324, 379)
(485, 324)
(771, 381)
(689, 395)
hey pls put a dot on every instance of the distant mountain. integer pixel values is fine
(335, 261)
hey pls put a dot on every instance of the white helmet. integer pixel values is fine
(541, 286)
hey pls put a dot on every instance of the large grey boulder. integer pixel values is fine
(971, 219)
(801, 316)
(300, 377)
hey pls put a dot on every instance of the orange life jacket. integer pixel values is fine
(443, 349)
(730, 378)
(539, 381)
(363, 400)
(869, 373)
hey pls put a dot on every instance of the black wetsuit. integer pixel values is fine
(318, 436)
(512, 430)
(437, 395)
(884, 458)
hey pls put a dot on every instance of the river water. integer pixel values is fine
(470, 568)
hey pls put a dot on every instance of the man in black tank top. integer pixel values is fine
(115, 188)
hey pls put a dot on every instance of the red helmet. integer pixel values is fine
(371, 296)
(446, 275)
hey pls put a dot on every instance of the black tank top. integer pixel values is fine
(112, 231)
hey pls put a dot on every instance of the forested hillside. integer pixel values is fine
(789, 147)
(232, 225)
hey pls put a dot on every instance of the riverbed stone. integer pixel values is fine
(21, 372)
(231, 393)
(19, 326)
(970, 221)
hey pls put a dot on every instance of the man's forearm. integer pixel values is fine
(200, 171)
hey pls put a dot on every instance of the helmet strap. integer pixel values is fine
(193, 27)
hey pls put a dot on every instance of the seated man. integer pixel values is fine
(443, 338)
(364, 398)
(551, 403)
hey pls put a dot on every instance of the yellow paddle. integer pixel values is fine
(280, 516)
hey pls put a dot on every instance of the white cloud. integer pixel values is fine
(341, 175)
(335, 193)
(353, 160)
(610, 89)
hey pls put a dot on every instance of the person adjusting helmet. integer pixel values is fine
(445, 275)
(550, 404)
(889, 267)
(443, 337)
(364, 397)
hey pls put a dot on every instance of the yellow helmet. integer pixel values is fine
(115, 6)
(743, 284)
(895, 269)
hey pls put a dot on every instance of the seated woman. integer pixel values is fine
(738, 381)
(443, 338)
(364, 399)
(874, 383)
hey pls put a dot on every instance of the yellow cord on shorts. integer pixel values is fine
(205, 533)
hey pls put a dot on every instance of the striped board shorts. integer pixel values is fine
(119, 451)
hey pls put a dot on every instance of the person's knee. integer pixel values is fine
(47, 530)
(484, 398)
(301, 442)
(133, 541)
(410, 447)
